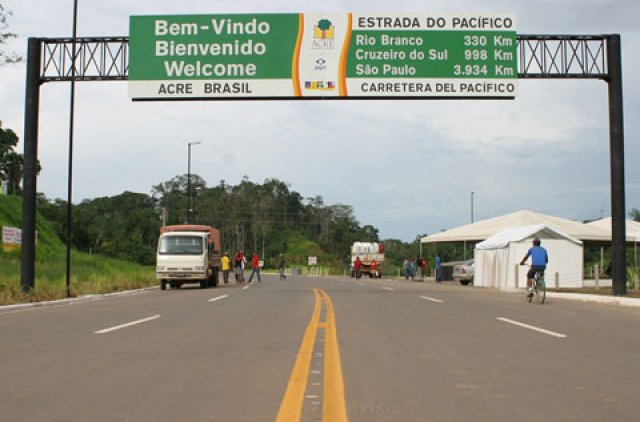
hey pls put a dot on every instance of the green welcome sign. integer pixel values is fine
(322, 55)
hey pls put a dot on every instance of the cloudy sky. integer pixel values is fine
(406, 167)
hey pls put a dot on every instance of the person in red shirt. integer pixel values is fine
(255, 267)
(357, 265)
(374, 269)
(424, 265)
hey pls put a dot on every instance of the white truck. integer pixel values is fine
(188, 253)
(368, 252)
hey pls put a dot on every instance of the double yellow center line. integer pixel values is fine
(334, 405)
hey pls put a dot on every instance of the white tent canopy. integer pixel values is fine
(497, 258)
(484, 229)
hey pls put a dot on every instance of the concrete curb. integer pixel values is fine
(611, 300)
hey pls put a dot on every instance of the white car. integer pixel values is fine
(464, 272)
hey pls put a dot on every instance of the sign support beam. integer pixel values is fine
(616, 138)
(32, 105)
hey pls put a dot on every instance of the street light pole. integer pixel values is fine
(72, 102)
(472, 193)
(189, 180)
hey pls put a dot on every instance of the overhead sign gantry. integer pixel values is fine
(322, 55)
(539, 57)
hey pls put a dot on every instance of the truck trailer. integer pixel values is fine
(188, 253)
(367, 252)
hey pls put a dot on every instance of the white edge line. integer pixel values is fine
(432, 299)
(531, 327)
(128, 324)
(388, 288)
(213, 299)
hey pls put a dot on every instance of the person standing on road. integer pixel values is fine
(405, 268)
(243, 262)
(423, 265)
(281, 266)
(255, 267)
(237, 266)
(224, 263)
(357, 266)
(438, 269)
(539, 260)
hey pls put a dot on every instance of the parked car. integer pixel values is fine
(464, 272)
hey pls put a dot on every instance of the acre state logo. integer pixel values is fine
(323, 35)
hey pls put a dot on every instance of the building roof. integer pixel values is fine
(632, 228)
(481, 230)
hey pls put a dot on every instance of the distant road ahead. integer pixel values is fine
(366, 350)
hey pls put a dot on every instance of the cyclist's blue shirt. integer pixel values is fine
(538, 255)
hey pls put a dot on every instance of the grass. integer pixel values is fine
(299, 249)
(89, 275)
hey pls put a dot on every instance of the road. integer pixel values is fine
(362, 350)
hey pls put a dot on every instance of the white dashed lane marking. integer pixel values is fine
(432, 299)
(128, 324)
(532, 327)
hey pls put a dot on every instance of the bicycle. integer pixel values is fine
(538, 288)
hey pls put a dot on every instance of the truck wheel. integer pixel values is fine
(163, 284)
(464, 282)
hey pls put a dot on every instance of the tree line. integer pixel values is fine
(251, 216)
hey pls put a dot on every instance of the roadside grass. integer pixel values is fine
(89, 275)
(299, 249)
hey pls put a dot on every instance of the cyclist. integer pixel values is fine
(539, 260)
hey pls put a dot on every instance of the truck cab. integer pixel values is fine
(188, 254)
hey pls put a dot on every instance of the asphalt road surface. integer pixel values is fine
(316, 349)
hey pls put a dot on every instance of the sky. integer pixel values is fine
(406, 167)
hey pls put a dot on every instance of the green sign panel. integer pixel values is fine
(322, 55)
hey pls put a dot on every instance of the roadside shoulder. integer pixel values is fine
(613, 300)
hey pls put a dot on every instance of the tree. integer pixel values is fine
(635, 214)
(6, 56)
(124, 226)
(172, 196)
(11, 162)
